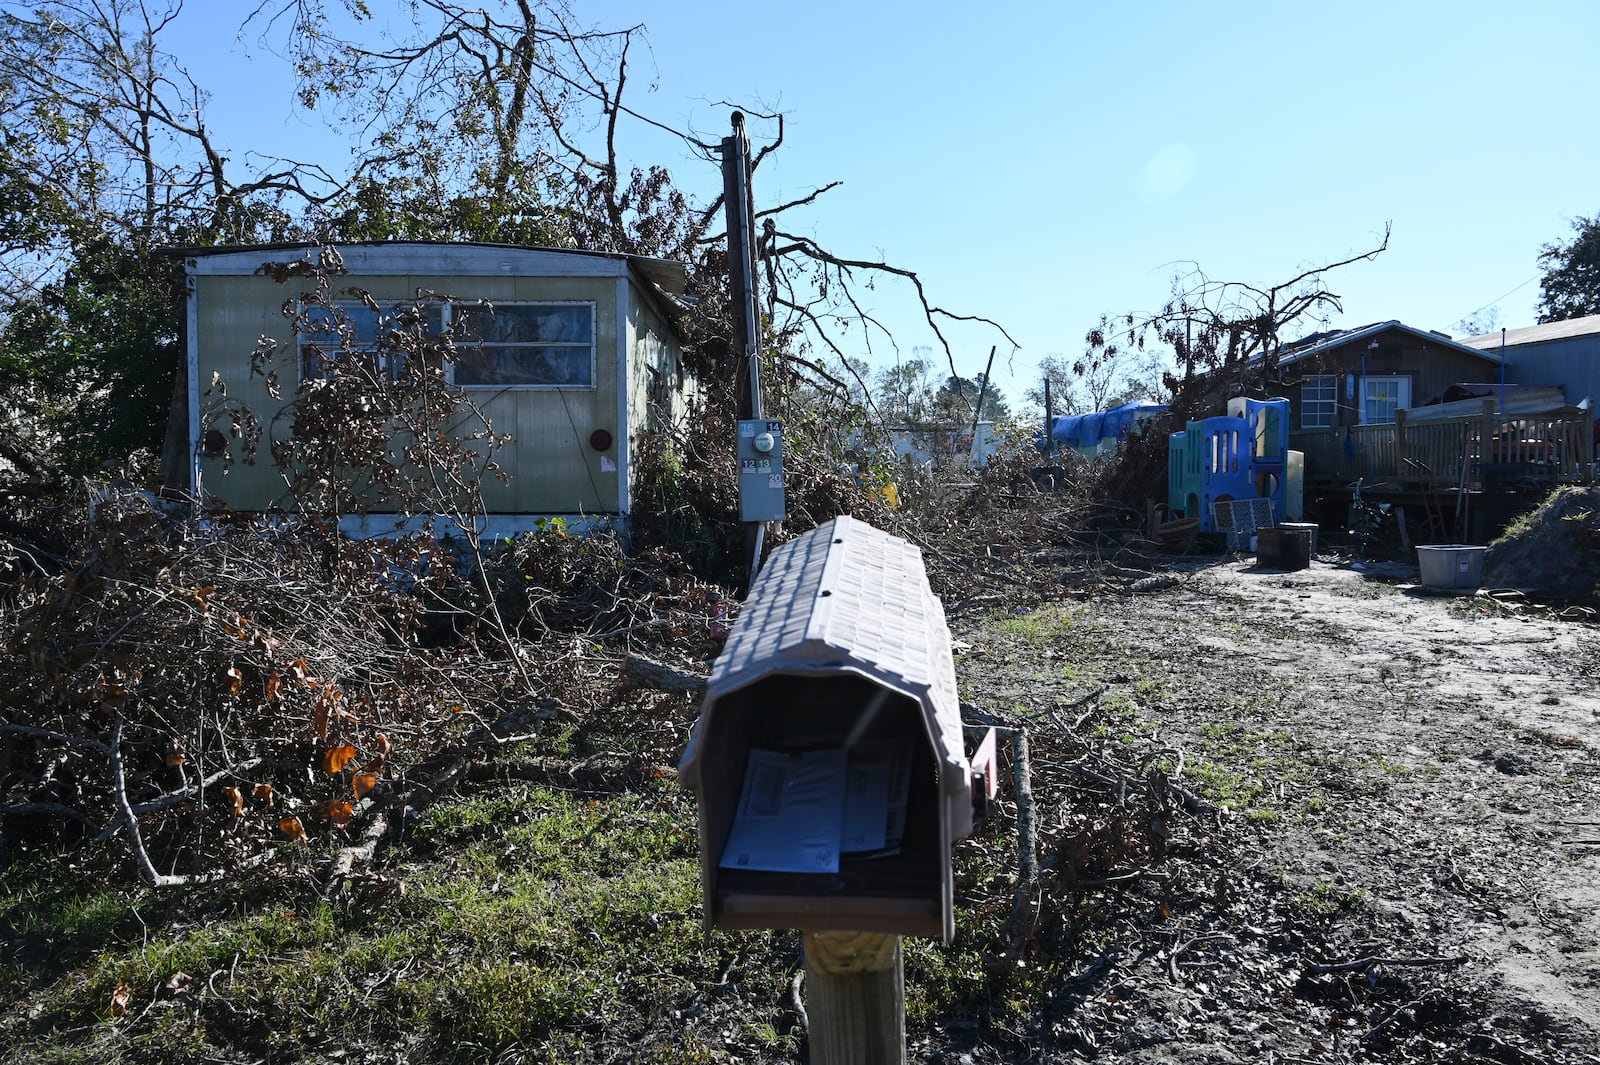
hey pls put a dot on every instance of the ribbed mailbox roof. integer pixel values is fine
(848, 596)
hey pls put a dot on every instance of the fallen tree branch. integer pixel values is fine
(346, 859)
(59, 737)
(662, 677)
(57, 808)
(177, 798)
(1188, 799)
(1362, 964)
(119, 790)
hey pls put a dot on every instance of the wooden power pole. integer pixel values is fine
(739, 210)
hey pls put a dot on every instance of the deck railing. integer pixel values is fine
(1452, 452)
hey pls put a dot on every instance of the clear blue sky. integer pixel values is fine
(1040, 163)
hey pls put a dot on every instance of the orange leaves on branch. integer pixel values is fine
(274, 687)
(262, 793)
(266, 641)
(334, 759)
(362, 783)
(202, 596)
(325, 709)
(384, 747)
(235, 799)
(119, 999)
(176, 755)
(234, 679)
(292, 828)
(339, 812)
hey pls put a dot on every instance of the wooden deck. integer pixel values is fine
(1476, 453)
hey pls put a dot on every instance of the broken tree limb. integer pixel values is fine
(177, 798)
(1188, 799)
(362, 852)
(119, 788)
(662, 677)
(55, 808)
(1027, 833)
(1362, 964)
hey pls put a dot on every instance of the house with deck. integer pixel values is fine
(571, 353)
(1423, 421)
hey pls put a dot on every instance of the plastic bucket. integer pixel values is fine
(1451, 565)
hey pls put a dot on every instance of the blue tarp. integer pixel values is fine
(1087, 430)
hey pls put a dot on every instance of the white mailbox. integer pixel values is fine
(828, 761)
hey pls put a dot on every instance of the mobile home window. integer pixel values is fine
(321, 341)
(532, 345)
(1319, 397)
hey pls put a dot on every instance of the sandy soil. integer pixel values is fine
(1417, 782)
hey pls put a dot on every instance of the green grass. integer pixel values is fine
(541, 919)
(1328, 899)
(532, 924)
(1225, 787)
(1051, 621)
(966, 977)
(1263, 774)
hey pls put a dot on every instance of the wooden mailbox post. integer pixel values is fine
(835, 698)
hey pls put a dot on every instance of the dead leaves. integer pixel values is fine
(334, 759)
(119, 999)
(293, 829)
(363, 781)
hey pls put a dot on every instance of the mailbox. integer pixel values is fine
(828, 761)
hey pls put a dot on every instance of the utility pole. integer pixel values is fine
(977, 412)
(759, 445)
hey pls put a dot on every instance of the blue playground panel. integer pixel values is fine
(1241, 455)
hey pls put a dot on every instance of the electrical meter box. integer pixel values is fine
(761, 470)
(828, 761)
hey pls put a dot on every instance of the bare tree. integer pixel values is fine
(526, 104)
(106, 137)
(1220, 331)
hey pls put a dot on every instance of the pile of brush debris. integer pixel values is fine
(1553, 551)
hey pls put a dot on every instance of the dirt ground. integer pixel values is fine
(1395, 849)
